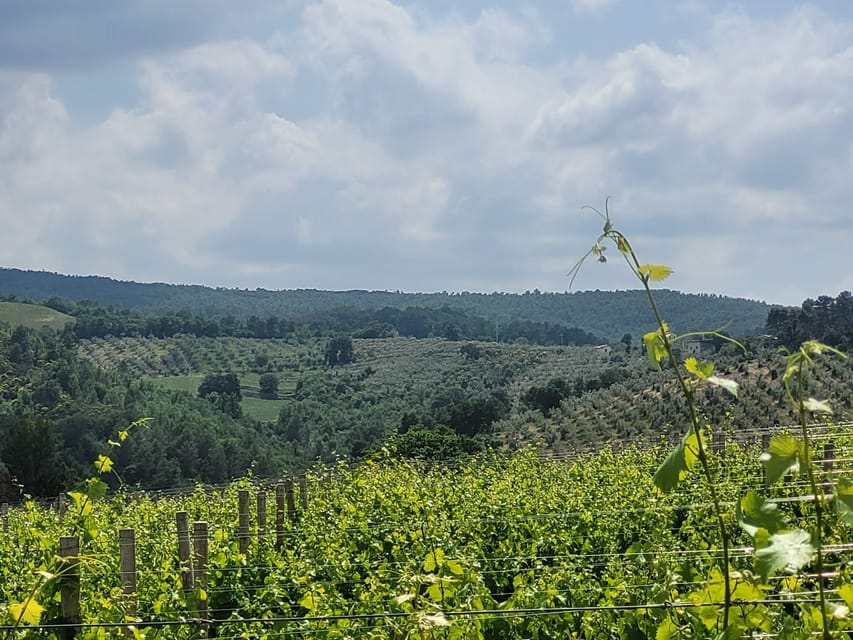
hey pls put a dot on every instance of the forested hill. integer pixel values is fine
(604, 313)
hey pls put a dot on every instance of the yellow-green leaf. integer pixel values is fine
(104, 464)
(655, 272)
(28, 612)
(454, 567)
(701, 370)
(655, 348)
(782, 457)
(434, 560)
(667, 630)
(846, 593)
(844, 500)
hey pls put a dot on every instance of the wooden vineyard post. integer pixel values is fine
(243, 520)
(183, 521)
(291, 500)
(262, 516)
(828, 462)
(69, 592)
(303, 492)
(127, 563)
(279, 516)
(60, 507)
(200, 571)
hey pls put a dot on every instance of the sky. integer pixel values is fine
(429, 145)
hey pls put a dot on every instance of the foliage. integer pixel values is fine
(223, 391)
(600, 313)
(268, 385)
(339, 351)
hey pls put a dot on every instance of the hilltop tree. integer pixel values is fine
(339, 351)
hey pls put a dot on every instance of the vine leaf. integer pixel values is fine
(678, 463)
(655, 347)
(667, 630)
(701, 370)
(782, 456)
(28, 612)
(655, 272)
(754, 513)
(725, 383)
(844, 500)
(846, 593)
(789, 551)
(817, 406)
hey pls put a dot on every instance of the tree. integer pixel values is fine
(223, 390)
(470, 351)
(269, 385)
(626, 340)
(339, 351)
(30, 448)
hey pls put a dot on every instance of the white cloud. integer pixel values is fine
(362, 132)
(591, 6)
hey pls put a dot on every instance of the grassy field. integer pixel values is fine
(33, 316)
(263, 409)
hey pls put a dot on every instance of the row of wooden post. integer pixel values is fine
(192, 552)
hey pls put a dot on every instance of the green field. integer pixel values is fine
(263, 409)
(33, 316)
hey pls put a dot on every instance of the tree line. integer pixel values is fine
(97, 321)
(827, 319)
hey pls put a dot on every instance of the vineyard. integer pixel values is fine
(501, 547)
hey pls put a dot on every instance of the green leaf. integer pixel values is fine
(701, 370)
(726, 383)
(788, 551)
(655, 272)
(678, 464)
(28, 612)
(655, 348)
(434, 560)
(754, 512)
(667, 630)
(454, 567)
(844, 500)
(96, 488)
(82, 502)
(846, 593)
(310, 601)
(782, 457)
(817, 406)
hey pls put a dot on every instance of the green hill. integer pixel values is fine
(610, 314)
(33, 316)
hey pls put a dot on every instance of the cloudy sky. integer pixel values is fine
(429, 145)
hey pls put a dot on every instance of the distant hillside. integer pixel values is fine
(33, 316)
(605, 313)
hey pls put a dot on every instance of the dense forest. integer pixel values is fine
(603, 313)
